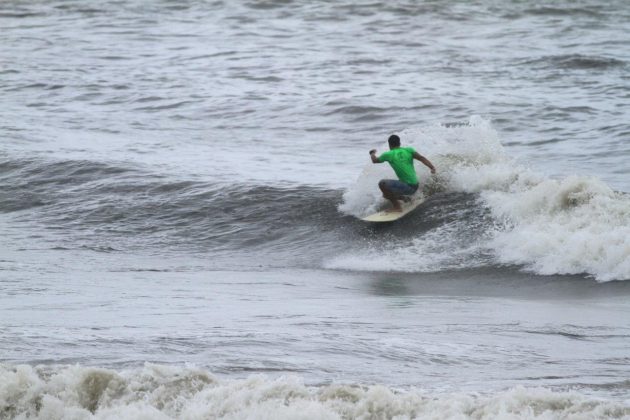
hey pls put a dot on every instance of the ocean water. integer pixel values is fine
(181, 183)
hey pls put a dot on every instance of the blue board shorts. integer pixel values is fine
(399, 187)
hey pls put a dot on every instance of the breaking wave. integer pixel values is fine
(168, 392)
(511, 215)
(484, 209)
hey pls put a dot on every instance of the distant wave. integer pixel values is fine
(590, 11)
(577, 62)
(19, 15)
(166, 392)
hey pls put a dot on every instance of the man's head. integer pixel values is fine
(394, 141)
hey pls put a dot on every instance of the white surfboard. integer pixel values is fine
(390, 216)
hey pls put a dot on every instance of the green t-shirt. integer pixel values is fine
(401, 161)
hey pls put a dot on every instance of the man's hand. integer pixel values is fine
(372, 151)
(433, 171)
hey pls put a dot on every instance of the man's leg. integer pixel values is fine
(390, 195)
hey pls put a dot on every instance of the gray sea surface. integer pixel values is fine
(181, 186)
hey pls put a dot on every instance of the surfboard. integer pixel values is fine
(385, 216)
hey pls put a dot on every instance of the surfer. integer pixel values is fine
(401, 161)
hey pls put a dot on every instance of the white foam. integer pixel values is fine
(162, 392)
(572, 225)
(431, 252)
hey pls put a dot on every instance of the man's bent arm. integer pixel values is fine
(425, 161)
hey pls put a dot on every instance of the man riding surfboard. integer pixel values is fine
(401, 161)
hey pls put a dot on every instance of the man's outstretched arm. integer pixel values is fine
(424, 160)
(373, 156)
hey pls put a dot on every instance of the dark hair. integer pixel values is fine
(394, 141)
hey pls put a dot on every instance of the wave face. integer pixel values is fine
(498, 210)
(101, 206)
(163, 392)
